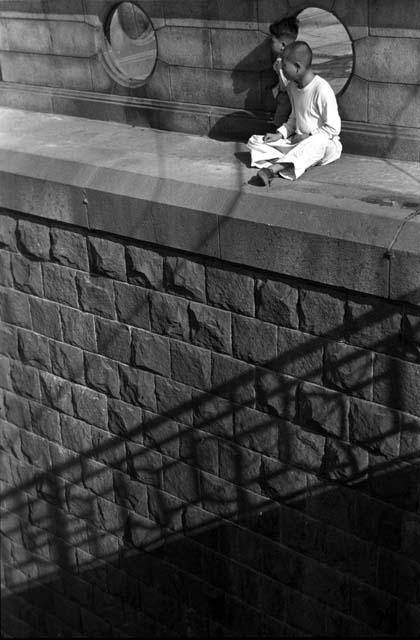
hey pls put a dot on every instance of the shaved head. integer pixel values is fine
(299, 51)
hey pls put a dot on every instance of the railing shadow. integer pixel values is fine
(248, 484)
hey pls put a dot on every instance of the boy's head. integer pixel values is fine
(297, 60)
(283, 32)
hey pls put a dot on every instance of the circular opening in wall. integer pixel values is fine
(331, 45)
(130, 44)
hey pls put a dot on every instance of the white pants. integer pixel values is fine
(317, 149)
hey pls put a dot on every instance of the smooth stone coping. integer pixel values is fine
(353, 224)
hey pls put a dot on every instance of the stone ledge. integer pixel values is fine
(384, 140)
(352, 224)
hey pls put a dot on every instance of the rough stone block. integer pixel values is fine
(181, 480)
(299, 354)
(169, 316)
(113, 340)
(96, 295)
(412, 329)
(56, 393)
(218, 496)
(322, 313)
(276, 393)
(254, 341)
(144, 267)
(8, 232)
(185, 277)
(151, 352)
(130, 494)
(396, 384)
(299, 448)
(78, 328)
(35, 451)
(8, 341)
(213, 414)
(99, 479)
(45, 422)
(344, 463)
(230, 290)
(76, 435)
(199, 449)
(5, 381)
(349, 369)
(69, 249)
(165, 509)
(25, 380)
(137, 387)
(132, 305)
(33, 350)
(90, 406)
(109, 449)
(34, 239)
(60, 284)
(323, 410)
(375, 427)
(282, 483)
(210, 328)
(6, 279)
(174, 400)
(107, 258)
(233, 380)
(161, 433)
(240, 49)
(67, 361)
(257, 431)
(14, 308)
(102, 374)
(376, 327)
(125, 420)
(17, 411)
(239, 466)
(10, 440)
(185, 46)
(82, 503)
(26, 275)
(191, 365)
(144, 464)
(410, 438)
(277, 303)
(46, 318)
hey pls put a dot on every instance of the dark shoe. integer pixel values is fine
(266, 176)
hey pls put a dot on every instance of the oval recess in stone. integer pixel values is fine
(130, 44)
(330, 43)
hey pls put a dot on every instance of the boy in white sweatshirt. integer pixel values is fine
(311, 134)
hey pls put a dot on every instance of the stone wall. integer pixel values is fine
(192, 447)
(213, 74)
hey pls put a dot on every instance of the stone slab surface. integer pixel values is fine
(334, 225)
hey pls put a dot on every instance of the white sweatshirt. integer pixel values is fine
(314, 110)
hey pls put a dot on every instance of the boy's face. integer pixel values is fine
(290, 68)
(278, 44)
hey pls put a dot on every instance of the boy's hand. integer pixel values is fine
(272, 137)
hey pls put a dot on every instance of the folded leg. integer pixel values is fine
(263, 154)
